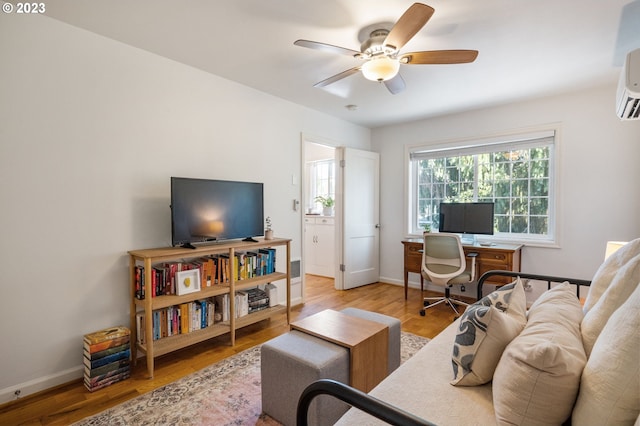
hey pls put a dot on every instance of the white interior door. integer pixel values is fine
(358, 211)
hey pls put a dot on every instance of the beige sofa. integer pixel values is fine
(566, 362)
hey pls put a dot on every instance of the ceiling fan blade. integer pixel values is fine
(408, 25)
(337, 77)
(326, 47)
(396, 84)
(439, 57)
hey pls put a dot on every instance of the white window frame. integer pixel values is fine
(523, 138)
(313, 179)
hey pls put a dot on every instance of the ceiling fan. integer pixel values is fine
(381, 51)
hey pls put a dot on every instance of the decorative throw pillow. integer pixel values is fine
(509, 298)
(610, 384)
(620, 288)
(538, 376)
(485, 329)
(608, 270)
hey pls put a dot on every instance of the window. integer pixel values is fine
(321, 179)
(516, 173)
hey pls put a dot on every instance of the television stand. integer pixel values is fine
(250, 240)
(188, 246)
(142, 311)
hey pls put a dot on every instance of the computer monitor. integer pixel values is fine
(467, 218)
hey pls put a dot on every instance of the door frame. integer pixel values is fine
(304, 139)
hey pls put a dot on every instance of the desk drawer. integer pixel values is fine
(488, 260)
(413, 257)
(493, 257)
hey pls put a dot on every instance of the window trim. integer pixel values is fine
(476, 145)
(313, 178)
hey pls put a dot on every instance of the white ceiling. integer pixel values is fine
(528, 48)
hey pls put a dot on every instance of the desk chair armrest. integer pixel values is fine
(473, 256)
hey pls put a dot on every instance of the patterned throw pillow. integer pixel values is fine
(485, 329)
(501, 298)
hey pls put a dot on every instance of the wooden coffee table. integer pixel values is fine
(367, 341)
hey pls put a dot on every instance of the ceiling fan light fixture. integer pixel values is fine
(380, 69)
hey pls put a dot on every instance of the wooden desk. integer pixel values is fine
(504, 257)
(367, 341)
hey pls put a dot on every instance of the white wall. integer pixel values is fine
(598, 186)
(91, 130)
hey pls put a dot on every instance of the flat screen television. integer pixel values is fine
(467, 218)
(204, 210)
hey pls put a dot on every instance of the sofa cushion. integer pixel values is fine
(537, 378)
(610, 384)
(622, 284)
(421, 387)
(485, 329)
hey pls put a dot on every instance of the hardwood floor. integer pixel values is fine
(71, 402)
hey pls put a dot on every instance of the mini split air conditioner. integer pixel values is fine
(628, 97)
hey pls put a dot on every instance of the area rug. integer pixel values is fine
(225, 393)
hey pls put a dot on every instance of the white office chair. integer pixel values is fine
(444, 263)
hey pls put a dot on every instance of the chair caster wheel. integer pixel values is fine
(422, 312)
(425, 303)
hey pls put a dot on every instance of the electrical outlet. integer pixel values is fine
(17, 393)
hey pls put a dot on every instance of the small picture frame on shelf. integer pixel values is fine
(187, 281)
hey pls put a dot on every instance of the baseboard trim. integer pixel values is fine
(40, 384)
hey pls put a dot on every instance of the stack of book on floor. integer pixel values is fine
(106, 357)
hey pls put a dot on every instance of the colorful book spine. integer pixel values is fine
(107, 359)
(94, 372)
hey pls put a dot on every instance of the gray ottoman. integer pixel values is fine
(288, 364)
(394, 332)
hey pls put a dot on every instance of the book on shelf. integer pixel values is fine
(214, 269)
(95, 363)
(207, 272)
(140, 329)
(178, 319)
(242, 303)
(272, 293)
(155, 315)
(270, 260)
(258, 299)
(222, 306)
(185, 314)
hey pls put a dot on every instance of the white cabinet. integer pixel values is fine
(319, 238)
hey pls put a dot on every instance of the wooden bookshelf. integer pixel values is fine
(150, 257)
